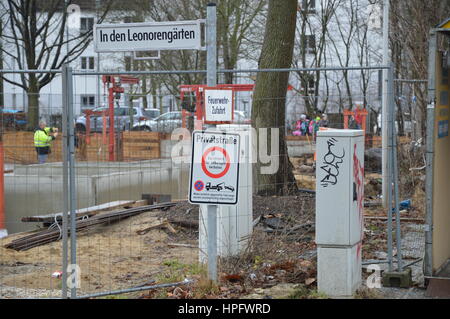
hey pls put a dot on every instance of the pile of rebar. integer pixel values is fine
(51, 235)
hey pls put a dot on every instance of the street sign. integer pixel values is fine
(173, 35)
(214, 172)
(218, 106)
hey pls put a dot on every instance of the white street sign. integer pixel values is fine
(214, 172)
(174, 35)
(218, 105)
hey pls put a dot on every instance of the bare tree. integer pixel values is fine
(311, 47)
(269, 99)
(234, 21)
(34, 37)
(411, 22)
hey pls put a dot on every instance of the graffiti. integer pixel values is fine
(331, 163)
(358, 185)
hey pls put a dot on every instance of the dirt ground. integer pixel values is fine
(110, 257)
(281, 251)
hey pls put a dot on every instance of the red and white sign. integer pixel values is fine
(214, 168)
(218, 106)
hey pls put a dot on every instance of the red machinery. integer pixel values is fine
(359, 115)
(114, 85)
(197, 90)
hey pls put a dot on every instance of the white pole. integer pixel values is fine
(384, 105)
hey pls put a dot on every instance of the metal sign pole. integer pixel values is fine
(211, 78)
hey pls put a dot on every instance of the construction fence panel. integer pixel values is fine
(30, 265)
(135, 227)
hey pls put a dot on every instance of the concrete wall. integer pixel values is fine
(27, 195)
(37, 189)
(299, 148)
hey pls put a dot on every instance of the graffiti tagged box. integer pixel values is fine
(339, 187)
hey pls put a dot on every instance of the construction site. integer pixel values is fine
(225, 183)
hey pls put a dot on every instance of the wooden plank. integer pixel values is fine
(140, 144)
(89, 211)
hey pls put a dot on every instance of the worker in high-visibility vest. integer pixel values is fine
(42, 138)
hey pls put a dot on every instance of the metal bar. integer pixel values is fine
(30, 71)
(324, 69)
(385, 108)
(212, 242)
(394, 168)
(387, 177)
(410, 80)
(428, 260)
(211, 45)
(72, 186)
(368, 262)
(65, 182)
(413, 262)
(122, 291)
(331, 68)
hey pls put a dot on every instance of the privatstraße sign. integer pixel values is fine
(214, 173)
(147, 36)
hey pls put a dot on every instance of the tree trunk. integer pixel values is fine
(33, 103)
(269, 99)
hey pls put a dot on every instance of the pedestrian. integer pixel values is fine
(304, 125)
(323, 121)
(42, 138)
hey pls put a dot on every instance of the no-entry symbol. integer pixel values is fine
(214, 168)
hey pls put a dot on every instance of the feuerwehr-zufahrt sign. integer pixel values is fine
(218, 105)
(146, 36)
(214, 172)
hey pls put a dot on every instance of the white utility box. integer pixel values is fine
(339, 210)
(339, 187)
(339, 270)
(234, 222)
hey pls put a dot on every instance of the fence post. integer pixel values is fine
(395, 170)
(72, 186)
(65, 140)
(388, 177)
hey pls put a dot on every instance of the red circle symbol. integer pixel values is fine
(198, 185)
(227, 164)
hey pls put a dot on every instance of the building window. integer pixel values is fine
(86, 24)
(87, 63)
(308, 6)
(309, 43)
(87, 101)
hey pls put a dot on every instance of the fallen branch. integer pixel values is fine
(164, 224)
(182, 245)
(184, 223)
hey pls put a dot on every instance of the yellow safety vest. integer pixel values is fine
(41, 138)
